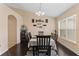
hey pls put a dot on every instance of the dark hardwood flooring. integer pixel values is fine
(21, 50)
(17, 50)
(63, 51)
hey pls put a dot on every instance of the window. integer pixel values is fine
(71, 28)
(67, 28)
(62, 28)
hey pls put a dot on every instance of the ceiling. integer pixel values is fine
(50, 9)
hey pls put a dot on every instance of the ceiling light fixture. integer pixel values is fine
(40, 13)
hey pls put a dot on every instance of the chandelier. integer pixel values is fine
(40, 13)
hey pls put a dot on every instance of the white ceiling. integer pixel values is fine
(50, 9)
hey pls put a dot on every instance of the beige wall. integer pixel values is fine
(27, 19)
(34, 30)
(72, 46)
(4, 12)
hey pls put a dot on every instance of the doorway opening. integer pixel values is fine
(12, 31)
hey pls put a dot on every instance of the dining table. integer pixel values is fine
(33, 42)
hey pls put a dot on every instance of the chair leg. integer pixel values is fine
(37, 51)
(56, 52)
(49, 51)
(33, 52)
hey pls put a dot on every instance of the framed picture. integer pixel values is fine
(34, 24)
(46, 20)
(32, 20)
(44, 25)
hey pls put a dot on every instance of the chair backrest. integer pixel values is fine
(27, 37)
(30, 36)
(43, 41)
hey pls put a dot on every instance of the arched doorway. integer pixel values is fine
(12, 31)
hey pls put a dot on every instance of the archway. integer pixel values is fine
(12, 31)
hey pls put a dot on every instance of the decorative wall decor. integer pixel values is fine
(46, 20)
(44, 25)
(39, 22)
(34, 24)
(32, 20)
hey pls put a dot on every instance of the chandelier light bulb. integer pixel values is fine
(40, 13)
(43, 13)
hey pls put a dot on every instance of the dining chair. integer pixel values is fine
(55, 38)
(43, 46)
(30, 36)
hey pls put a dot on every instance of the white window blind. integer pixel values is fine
(67, 28)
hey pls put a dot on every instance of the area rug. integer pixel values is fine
(53, 53)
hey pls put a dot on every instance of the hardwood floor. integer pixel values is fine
(63, 51)
(21, 50)
(17, 50)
